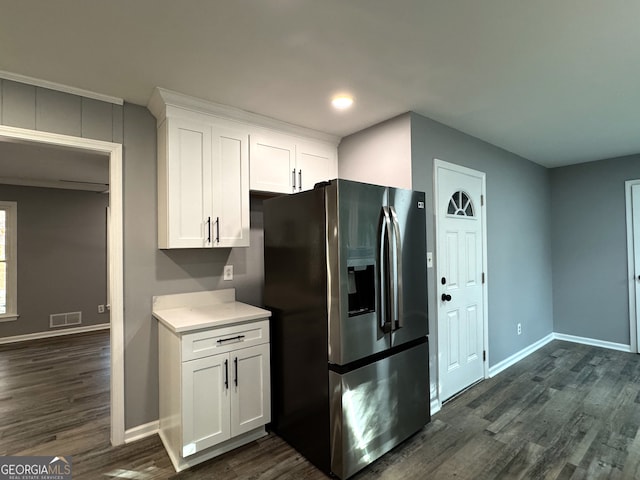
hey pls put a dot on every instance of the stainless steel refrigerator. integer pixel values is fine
(345, 278)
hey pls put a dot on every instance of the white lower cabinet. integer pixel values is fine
(214, 390)
(223, 396)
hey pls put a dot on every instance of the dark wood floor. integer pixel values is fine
(565, 412)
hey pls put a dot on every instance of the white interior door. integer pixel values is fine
(460, 277)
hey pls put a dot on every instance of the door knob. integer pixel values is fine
(445, 297)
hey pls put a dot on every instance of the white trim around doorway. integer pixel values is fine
(631, 278)
(115, 264)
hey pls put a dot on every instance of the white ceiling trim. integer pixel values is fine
(60, 87)
(60, 184)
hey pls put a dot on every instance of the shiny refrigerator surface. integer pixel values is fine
(366, 406)
(345, 278)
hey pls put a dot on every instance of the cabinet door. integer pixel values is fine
(184, 184)
(315, 163)
(272, 163)
(251, 389)
(205, 403)
(230, 227)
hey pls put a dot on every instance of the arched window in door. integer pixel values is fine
(460, 205)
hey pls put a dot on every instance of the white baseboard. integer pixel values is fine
(57, 333)
(593, 342)
(516, 357)
(141, 431)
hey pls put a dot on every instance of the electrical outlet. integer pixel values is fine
(429, 259)
(519, 329)
(227, 272)
(100, 308)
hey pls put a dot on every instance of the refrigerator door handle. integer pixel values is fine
(397, 294)
(387, 300)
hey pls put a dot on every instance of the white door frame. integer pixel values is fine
(115, 264)
(485, 286)
(631, 268)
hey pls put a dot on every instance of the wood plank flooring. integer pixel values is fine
(565, 412)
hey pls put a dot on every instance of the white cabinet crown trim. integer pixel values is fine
(165, 102)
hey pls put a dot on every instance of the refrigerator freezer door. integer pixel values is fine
(354, 216)
(375, 407)
(411, 250)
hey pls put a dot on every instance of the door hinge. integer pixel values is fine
(481, 200)
(482, 277)
(484, 355)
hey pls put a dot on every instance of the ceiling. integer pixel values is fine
(49, 166)
(555, 81)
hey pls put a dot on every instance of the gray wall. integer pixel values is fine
(36, 108)
(61, 256)
(518, 232)
(589, 240)
(149, 271)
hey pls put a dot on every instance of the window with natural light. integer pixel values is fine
(8, 264)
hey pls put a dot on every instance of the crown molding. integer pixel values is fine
(164, 103)
(37, 82)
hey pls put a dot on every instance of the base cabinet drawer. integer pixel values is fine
(219, 340)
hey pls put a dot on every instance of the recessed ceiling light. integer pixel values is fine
(342, 102)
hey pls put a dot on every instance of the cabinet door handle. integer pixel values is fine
(209, 229)
(217, 229)
(300, 180)
(238, 337)
(235, 361)
(293, 179)
(226, 374)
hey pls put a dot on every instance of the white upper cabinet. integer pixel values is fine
(184, 183)
(315, 162)
(288, 164)
(230, 187)
(273, 163)
(203, 176)
(203, 184)
(210, 156)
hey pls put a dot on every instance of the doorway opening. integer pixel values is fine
(115, 269)
(632, 194)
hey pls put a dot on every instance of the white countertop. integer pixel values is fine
(189, 313)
